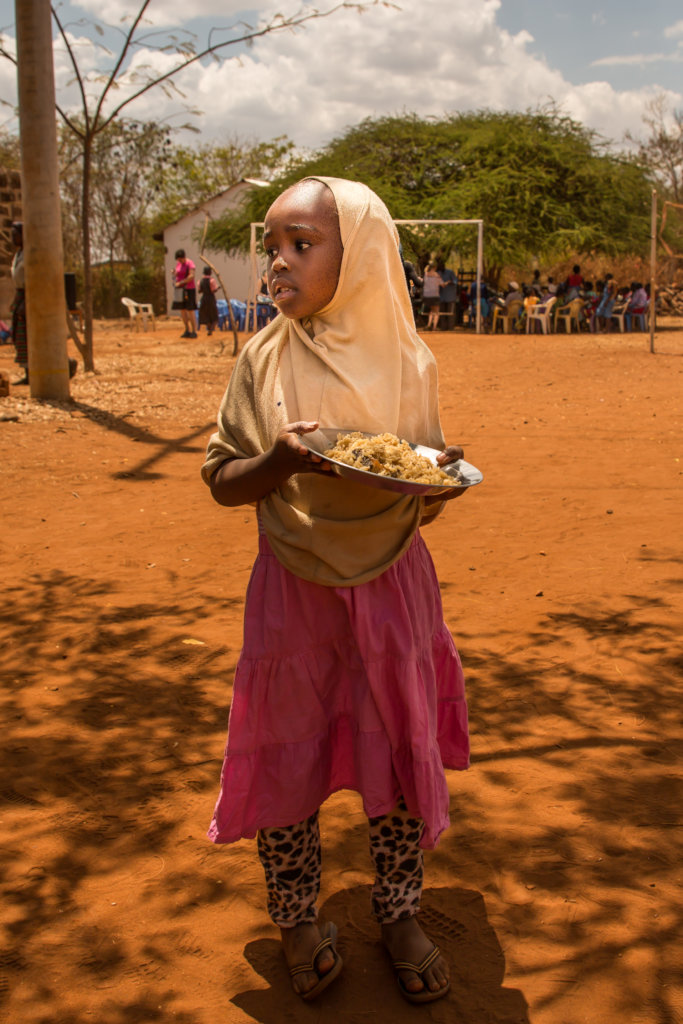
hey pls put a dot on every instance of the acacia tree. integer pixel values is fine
(102, 102)
(544, 185)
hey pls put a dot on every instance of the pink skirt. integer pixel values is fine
(342, 688)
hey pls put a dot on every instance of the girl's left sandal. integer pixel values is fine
(329, 940)
(424, 995)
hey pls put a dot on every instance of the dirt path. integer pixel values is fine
(555, 892)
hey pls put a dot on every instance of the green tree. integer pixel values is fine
(10, 152)
(129, 159)
(193, 175)
(543, 184)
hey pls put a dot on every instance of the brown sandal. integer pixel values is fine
(329, 940)
(424, 995)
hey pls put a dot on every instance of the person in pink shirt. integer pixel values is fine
(184, 278)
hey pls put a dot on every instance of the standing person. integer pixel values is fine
(208, 310)
(348, 677)
(449, 293)
(573, 283)
(603, 314)
(431, 295)
(18, 307)
(413, 283)
(184, 278)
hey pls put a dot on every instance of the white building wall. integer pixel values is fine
(234, 270)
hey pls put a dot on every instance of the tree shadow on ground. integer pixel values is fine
(107, 714)
(165, 447)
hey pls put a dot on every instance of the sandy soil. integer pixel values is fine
(554, 894)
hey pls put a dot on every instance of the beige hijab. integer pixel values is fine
(357, 364)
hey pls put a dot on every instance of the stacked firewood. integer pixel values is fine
(670, 300)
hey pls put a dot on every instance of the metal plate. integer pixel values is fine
(464, 475)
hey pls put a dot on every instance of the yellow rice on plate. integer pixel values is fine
(387, 455)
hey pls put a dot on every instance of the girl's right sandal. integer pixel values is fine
(329, 940)
(425, 995)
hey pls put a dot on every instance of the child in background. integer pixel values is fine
(638, 304)
(208, 310)
(348, 677)
(431, 295)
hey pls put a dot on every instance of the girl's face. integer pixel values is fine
(304, 249)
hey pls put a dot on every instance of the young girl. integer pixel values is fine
(348, 678)
(208, 310)
(431, 295)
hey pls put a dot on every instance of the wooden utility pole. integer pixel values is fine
(43, 253)
(653, 270)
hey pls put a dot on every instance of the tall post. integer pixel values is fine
(480, 269)
(653, 269)
(43, 252)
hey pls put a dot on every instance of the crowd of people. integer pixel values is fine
(441, 302)
(595, 307)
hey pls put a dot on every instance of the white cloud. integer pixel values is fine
(674, 30)
(428, 57)
(637, 60)
(312, 83)
(163, 12)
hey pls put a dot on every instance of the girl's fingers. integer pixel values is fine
(450, 454)
(300, 427)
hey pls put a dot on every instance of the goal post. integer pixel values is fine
(254, 274)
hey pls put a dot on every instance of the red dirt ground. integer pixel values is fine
(554, 894)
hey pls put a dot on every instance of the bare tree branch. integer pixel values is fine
(115, 70)
(81, 85)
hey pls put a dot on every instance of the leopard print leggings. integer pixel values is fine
(291, 859)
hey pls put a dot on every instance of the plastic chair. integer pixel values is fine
(141, 313)
(506, 316)
(540, 314)
(637, 315)
(569, 315)
(618, 314)
(260, 313)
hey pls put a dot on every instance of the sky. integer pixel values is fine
(602, 63)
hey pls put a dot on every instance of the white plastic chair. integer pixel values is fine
(141, 313)
(506, 316)
(618, 314)
(540, 314)
(569, 315)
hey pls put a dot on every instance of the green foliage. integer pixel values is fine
(543, 184)
(10, 153)
(193, 175)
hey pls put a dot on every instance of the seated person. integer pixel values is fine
(637, 303)
(513, 294)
